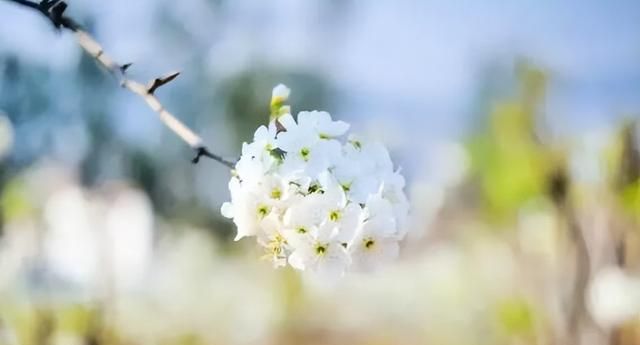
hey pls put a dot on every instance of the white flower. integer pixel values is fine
(307, 148)
(393, 191)
(614, 297)
(354, 179)
(257, 157)
(247, 208)
(373, 246)
(311, 211)
(279, 96)
(322, 123)
(313, 201)
(339, 211)
(280, 93)
(321, 253)
(273, 241)
(316, 122)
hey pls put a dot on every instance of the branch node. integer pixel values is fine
(45, 5)
(125, 67)
(57, 11)
(200, 151)
(156, 83)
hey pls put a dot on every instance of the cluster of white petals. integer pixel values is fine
(313, 201)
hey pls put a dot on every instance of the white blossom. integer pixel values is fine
(614, 297)
(279, 96)
(314, 200)
(373, 244)
(280, 93)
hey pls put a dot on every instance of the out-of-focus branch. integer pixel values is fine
(559, 185)
(54, 11)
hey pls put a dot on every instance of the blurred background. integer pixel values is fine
(516, 125)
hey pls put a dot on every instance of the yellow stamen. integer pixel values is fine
(321, 249)
(369, 243)
(304, 152)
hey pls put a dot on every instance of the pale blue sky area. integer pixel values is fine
(412, 68)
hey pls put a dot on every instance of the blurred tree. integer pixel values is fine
(508, 160)
(626, 165)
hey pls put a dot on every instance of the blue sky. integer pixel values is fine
(408, 68)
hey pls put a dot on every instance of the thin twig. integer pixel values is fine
(54, 11)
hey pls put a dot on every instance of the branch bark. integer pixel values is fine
(578, 316)
(53, 10)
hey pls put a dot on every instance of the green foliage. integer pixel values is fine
(14, 201)
(75, 319)
(508, 161)
(516, 317)
(623, 158)
(630, 198)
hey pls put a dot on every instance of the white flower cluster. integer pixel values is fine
(312, 201)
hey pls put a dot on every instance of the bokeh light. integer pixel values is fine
(516, 126)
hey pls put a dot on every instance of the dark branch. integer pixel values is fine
(558, 188)
(54, 10)
(33, 5)
(125, 67)
(156, 83)
(204, 152)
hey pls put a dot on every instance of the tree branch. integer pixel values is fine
(558, 188)
(54, 11)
